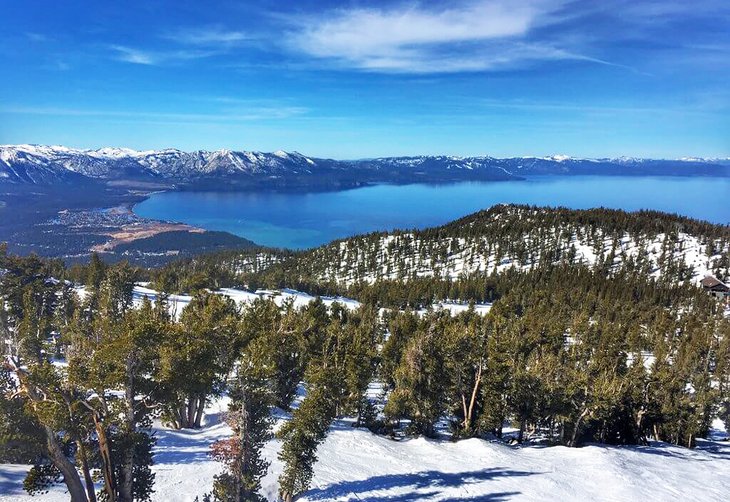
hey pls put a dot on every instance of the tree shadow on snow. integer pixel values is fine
(185, 446)
(712, 451)
(11, 482)
(705, 451)
(213, 418)
(425, 480)
(489, 497)
(716, 449)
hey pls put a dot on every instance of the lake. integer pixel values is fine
(303, 220)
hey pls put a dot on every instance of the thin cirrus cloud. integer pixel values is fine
(243, 114)
(474, 36)
(188, 44)
(157, 57)
(209, 36)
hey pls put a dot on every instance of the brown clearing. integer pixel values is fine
(129, 233)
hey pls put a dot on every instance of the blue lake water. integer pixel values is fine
(302, 220)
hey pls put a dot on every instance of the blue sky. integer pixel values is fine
(358, 79)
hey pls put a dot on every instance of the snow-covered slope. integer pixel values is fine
(465, 258)
(21, 162)
(524, 237)
(356, 465)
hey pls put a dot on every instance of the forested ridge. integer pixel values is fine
(469, 250)
(502, 237)
(571, 352)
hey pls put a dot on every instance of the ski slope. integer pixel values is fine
(356, 465)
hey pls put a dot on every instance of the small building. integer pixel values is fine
(715, 287)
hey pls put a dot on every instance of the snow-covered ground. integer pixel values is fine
(242, 297)
(176, 303)
(458, 308)
(356, 465)
(403, 254)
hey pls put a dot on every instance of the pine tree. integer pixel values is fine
(306, 430)
(276, 342)
(466, 351)
(363, 335)
(420, 383)
(29, 298)
(496, 375)
(401, 327)
(196, 357)
(250, 420)
(115, 348)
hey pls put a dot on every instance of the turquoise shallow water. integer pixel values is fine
(302, 220)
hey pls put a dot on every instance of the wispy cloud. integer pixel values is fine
(37, 37)
(242, 114)
(130, 55)
(473, 36)
(183, 45)
(157, 57)
(210, 36)
(61, 65)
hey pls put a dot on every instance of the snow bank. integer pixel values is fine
(356, 465)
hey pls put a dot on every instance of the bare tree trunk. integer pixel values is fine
(63, 464)
(182, 414)
(190, 416)
(521, 434)
(106, 460)
(55, 452)
(91, 493)
(359, 413)
(199, 412)
(126, 482)
(576, 429)
(639, 422)
(469, 413)
(465, 410)
(552, 429)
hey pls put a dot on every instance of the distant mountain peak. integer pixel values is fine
(41, 164)
(561, 158)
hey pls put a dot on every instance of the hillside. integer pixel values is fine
(358, 465)
(513, 237)
(570, 356)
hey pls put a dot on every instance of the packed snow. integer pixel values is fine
(357, 465)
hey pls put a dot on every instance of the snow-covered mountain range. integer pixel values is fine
(37, 164)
